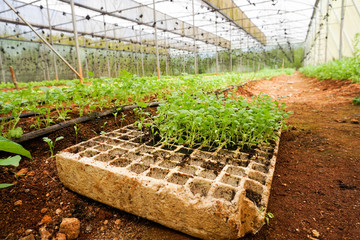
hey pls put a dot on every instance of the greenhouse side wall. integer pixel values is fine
(327, 38)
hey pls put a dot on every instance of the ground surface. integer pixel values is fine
(315, 187)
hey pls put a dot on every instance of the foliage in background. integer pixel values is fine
(346, 68)
(11, 147)
(212, 121)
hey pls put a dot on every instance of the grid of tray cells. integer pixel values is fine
(217, 173)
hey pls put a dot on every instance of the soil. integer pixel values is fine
(315, 187)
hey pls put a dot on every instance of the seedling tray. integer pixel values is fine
(210, 195)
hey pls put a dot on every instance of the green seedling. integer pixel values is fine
(76, 129)
(266, 215)
(52, 143)
(9, 146)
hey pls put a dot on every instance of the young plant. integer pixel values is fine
(52, 143)
(9, 146)
(76, 128)
(141, 116)
(266, 215)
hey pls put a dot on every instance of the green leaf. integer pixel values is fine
(142, 104)
(14, 161)
(9, 146)
(5, 185)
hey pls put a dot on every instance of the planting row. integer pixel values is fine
(104, 93)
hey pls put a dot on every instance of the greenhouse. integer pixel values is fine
(179, 119)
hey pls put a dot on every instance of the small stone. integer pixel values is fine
(60, 236)
(22, 172)
(48, 194)
(30, 174)
(102, 229)
(117, 221)
(27, 190)
(354, 121)
(88, 229)
(106, 222)
(44, 210)
(46, 219)
(18, 203)
(29, 231)
(315, 233)
(29, 237)
(44, 234)
(58, 211)
(11, 236)
(70, 227)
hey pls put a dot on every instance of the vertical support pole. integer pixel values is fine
(341, 27)
(142, 53)
(136, 54)
(194, 37)
(241, 62)
(46, 64)
(106, 45)
(327, 30)
(51, 39)
(216, 48)
(14, 78)
(230, 53)
(184, 62)
(76, 42)
(86, 61)
(2, 69)
(156, 42)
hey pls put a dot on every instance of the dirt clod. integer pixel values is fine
(70, 227)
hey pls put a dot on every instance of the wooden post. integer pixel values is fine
(14, 78)
(283, 64)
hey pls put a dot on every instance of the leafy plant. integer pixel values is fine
(211, 121)
(52, 143)
(9, 146)
(356, 100)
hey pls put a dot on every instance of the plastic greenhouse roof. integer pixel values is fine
(280, 21)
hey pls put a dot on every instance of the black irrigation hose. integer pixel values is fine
(29, 114)
(44, 131)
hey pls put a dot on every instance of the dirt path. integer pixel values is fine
(316, 182)
(315, 187)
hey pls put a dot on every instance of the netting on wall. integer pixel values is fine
(332, 31)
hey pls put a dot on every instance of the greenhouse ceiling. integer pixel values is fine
(209, 24)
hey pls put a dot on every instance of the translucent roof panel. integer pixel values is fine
(178, 22)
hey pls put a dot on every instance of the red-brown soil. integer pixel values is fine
(315, 186)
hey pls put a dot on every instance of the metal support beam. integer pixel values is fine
(217, 54)
(230, 51)
(156, 42)
(2, 69)
(51, 39)
(194, 37)
(42, 39)
(341, 28)
(327, 30)
(142, 54)
(76, 41)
